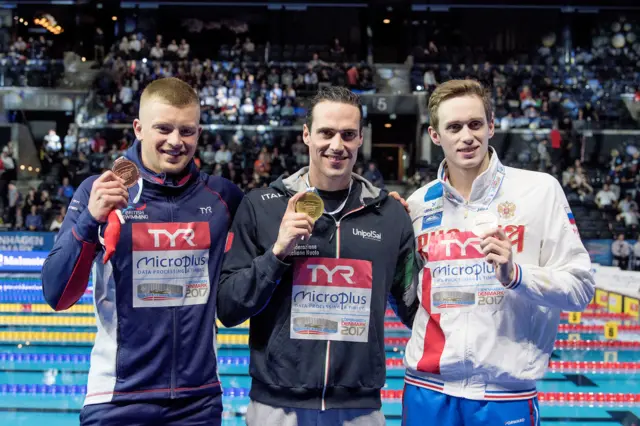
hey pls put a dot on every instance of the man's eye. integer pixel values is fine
(327, 134)
(349, 136)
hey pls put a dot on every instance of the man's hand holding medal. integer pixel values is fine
(108, 195)
(495, 245)
(303, 209)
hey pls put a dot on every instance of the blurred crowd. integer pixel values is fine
(544, 96)
(30, 62)
(249, 159)
(231, 92)
(30, 49)
(538, 88)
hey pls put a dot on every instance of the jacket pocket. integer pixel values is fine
(377, 355)
(283, 358)
(358, 364)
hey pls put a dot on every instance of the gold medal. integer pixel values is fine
(126, 170)
(311, 204)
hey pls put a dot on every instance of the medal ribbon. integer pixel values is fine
(341, 206)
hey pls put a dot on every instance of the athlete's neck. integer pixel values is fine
(462, 179)
(323, 183)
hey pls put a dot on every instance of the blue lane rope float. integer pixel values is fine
(81, 390)
(85, 358)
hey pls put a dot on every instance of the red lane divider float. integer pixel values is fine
(562, 398)
(597, 344)
(599, 310)
(588, 398)
(600, 315)
(603, 315)
(599, 329)
(563, 328)
(590, 366)
(560, 344)
(622, 367)
(395, 363)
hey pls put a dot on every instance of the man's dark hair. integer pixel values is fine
(334, 94)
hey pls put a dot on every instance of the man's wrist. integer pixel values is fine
(516, 278)
(278, 252)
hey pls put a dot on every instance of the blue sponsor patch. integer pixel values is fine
(434, 192)
(431, 220)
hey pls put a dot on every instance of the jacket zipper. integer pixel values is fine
(327, 357)
(173, 353)
(174, 320)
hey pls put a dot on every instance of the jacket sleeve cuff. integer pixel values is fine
(517, 277)
(271, 266)
(86, 228)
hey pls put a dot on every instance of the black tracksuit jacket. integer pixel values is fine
(361, 261)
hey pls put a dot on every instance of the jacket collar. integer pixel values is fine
(296, 183)
(484, 187)
(190, 171)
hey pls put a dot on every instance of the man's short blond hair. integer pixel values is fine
(171, 90)
(454, 89)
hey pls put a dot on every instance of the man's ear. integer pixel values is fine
(435, 137)
(306, 135)
(492, 125)
(137, 128)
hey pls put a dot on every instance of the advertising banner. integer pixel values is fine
(22, 261)
(631, 307)
(599, 251)
(26, 241)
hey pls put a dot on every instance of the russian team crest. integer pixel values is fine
(506, 210)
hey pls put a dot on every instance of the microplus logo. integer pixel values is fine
(369, 235)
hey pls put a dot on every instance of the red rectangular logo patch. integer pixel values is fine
(229, 242)
(515, 233)
(455, 245)
(323, 271)
(170, 236)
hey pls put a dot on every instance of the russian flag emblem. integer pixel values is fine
(572, 219)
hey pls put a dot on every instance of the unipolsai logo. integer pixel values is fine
(369, 235)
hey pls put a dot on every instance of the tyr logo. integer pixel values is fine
(346, 274)
(187, 235)
(205, 210)
(473, 242)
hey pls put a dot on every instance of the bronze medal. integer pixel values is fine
(311, 204)
(126, 170)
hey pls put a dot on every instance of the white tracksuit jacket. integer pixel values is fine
(473, 337)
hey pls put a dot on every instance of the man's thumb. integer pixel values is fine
(291, 206)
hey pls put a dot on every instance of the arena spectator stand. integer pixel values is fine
(582, 87)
